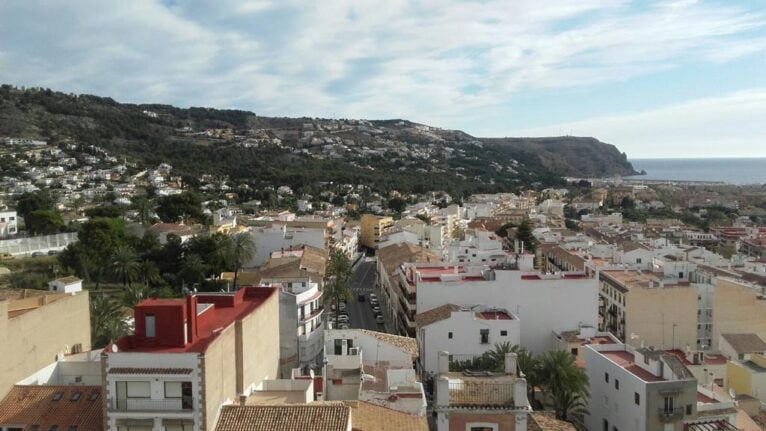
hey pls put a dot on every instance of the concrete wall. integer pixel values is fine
(220, 370)
(665, 318)
(32, 340)
(737, 309)
(260, 334)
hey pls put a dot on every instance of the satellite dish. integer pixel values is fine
(114, 348)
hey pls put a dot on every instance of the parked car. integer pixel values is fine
(380, 319)
(53, 252)
(342, 318)
(373, 297)
(342, 306)
(360, 297)
(38, 254)
(342, 326)
(376, 309)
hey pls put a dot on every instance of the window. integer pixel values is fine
(617, 384)
(151, 330)
(94, 395)
(138, 390)
(606, 377)
(575, 351)
(484, 334)
(72, 428)
(449, 335)
(669, 404)
(53, 428)
(338, 346)
(638, 260)
(57, 396)
(76, 396)
(688, 409)
(503, 333)
(637, 399)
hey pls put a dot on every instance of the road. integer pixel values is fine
(360, 313)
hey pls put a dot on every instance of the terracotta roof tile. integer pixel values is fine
(407, 344)
(745, 343)
(370, 417)
(435, 314)
(316, 417)
(543, 421)
(35, 405)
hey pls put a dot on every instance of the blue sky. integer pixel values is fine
(656, 78)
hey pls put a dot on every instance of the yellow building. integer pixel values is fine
(372, 228)
(640, 308)
(737, 308)
(35, 327)
(747, 377)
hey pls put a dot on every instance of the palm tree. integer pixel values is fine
(132, 295)
(125, 265)
(106, 322)
(337, 275)
(242, 250)
(566, 383)
(193, 270)
(150, 273)
(144, 208)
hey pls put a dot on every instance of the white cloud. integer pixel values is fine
(727, 126)
(430, 61)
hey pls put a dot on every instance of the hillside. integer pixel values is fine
(261, 151)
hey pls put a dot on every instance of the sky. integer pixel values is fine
(679, 78)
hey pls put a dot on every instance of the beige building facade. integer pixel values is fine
(36, 327)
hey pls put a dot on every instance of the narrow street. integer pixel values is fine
(360, 313)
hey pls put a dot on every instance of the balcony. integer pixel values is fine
(671, 415)
(307, 317)
(184, 404)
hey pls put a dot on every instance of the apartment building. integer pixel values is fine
(643, 309)
(462, 331)
(544, 303)
(480, 399)
(298, 275)
(280, 236)
(396, 299)
(188, 357)
(372, 228)
(638, 389)
(8, 223)
(31, 333)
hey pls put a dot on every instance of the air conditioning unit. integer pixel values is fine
(354, 351)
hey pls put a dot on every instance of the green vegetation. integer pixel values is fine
(468, 167)
(336, 288)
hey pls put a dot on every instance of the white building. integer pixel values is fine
(638, 389)
(462, 331)
(546, 303)
(374, 367)
(8, 223)
(279, 237)
(65, 285)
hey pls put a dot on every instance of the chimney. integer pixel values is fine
(191, 318)
(510, 363)
(443, 362)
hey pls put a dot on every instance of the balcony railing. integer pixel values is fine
(147, 404)
(478, 393)
(470, 362)
(671, 415)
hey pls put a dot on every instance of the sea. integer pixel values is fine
(727, 170)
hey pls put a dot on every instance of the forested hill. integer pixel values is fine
(386, 155)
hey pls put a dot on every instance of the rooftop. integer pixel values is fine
(46, 406)
(745, 343)
(625, 360)
(209, 321)
(370, 417)
(327, 416)
(406, 344)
